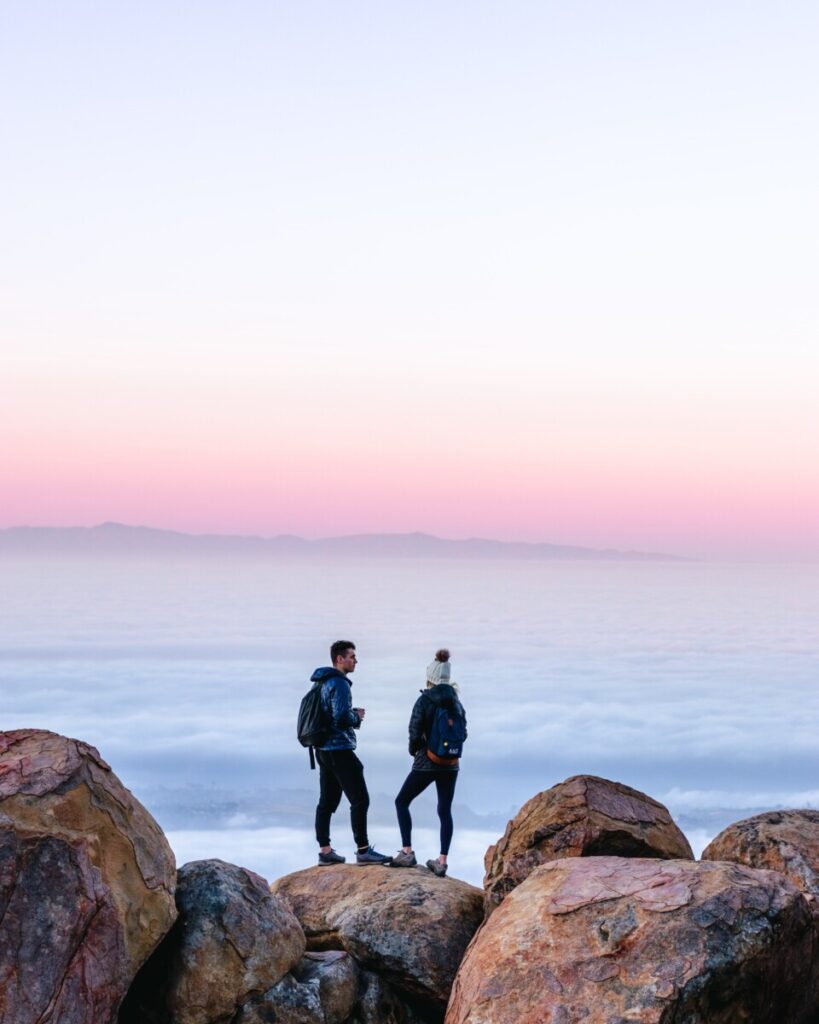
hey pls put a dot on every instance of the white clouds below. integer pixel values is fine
(274, 852)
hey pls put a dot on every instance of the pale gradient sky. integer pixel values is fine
(540, 271)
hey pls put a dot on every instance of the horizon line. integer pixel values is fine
(396, 535)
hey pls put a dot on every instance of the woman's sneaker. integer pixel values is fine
(330, 858)
(404, 860)
(371, 856)
(437, 868)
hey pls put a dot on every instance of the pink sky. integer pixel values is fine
(470, 271)
(580, 467)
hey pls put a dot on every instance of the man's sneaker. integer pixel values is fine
(330, 858)
(371, 856)
(404, 860)
(437, 868)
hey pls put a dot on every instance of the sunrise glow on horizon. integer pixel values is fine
(542, 273)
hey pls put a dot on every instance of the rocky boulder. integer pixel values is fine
(584, 816)
(322, 989)
(406, 925)
(288, 1002)
(786, 841)
(233, 940)
(334, 976)
(608, 940)
(378, 1003)
(86, 882)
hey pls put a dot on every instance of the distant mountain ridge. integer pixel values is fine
(117, 539)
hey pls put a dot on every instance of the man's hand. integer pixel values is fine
(360, 712)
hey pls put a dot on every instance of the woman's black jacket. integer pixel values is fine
(441, 696)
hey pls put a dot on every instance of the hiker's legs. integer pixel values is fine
(349, 772)
(415, 783)
(445, 784)
(329, 797)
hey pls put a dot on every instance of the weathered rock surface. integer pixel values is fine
(86, 882)
(378, 1003)
(584, 816)
(408, 926)
(610, 940)
(334, 975)
(786, 841)
(59, 933)
(233, 940)
(288, 1002)
(322, 989)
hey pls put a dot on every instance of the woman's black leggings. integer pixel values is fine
(417, 782)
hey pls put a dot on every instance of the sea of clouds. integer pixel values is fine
(694, 682)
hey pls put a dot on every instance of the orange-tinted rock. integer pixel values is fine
(611, 940)
(86, 882)
(582, 817)
(233, 940)
(786, 841)
(60, 935)
(408, 926)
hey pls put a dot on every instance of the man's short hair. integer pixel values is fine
(339, 649)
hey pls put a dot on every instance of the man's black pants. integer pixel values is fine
(340, 771)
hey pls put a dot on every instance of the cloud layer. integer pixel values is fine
(676, 678)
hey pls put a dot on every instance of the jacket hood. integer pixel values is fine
(443, 695)
(321, 675)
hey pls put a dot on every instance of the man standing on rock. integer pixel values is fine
(340, 770)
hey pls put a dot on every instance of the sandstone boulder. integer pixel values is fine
(786, 841)
(582, 817)
(60, 935)
(322, 989)
(406, 925)
(233, 940)
(86, 882)
(610, 940)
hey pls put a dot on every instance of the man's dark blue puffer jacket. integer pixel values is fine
(337, 701)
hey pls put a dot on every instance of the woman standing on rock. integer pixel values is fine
(437, 729)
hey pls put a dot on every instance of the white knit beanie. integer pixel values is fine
(438, 672)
